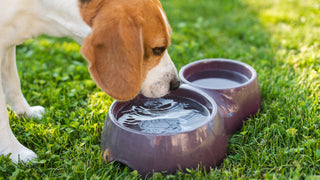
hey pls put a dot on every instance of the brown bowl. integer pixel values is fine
(205, 144)
(232, 84)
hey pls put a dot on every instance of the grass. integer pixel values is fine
(279, 38)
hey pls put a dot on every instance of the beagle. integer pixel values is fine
(124, 41)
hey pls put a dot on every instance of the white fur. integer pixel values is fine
(165, 19)
(157, 82)
(21, 20)
(24, 19)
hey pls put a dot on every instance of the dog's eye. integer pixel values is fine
(158, 50)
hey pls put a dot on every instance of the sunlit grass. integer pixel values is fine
(279, 38)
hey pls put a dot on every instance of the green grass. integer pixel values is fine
(279, 38)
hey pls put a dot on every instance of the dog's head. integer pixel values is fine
(127, 47)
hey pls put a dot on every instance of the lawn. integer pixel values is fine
(279, 38)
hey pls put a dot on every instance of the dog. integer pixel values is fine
(124, 41)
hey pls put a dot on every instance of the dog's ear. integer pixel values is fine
(114, 50)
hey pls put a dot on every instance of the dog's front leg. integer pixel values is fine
(8, 142)
(12, 88)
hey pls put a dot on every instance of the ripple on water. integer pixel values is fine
(163, 115)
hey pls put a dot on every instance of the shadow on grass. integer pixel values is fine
(216, 29)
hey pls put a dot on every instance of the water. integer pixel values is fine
(218, 79)
(163, 115)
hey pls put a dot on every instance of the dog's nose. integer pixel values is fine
(174, 85)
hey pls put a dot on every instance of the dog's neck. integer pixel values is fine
(64, 19)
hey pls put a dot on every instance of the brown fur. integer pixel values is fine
(119, 48)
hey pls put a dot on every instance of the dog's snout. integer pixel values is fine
(174, 85)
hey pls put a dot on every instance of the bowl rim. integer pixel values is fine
(184, 68)
(210, 118)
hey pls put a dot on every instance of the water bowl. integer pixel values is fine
(181, 130)
(232, 84)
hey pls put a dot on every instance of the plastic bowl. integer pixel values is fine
(145, 152)
(232, 84)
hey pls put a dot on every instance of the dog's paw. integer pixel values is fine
(36, 112)
(23, 155)
(19, 153)
(30, 112)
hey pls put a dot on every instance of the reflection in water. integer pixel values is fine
(163, 115)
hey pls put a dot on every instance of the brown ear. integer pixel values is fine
(115, 54)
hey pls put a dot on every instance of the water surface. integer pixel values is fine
(163, 115)
(219, 79)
